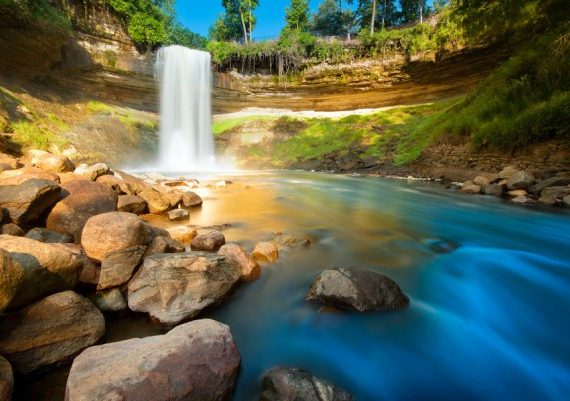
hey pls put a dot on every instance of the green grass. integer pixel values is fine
(95, 107)
(221, 126)
(31, 136)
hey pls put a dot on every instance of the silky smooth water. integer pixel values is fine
(487, 321)
(185, 79)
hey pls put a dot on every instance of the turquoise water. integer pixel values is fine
(487, 321)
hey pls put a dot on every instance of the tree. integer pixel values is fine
(297, 15)
(385, 14)
(413, 10)
(237, 21)
(331, 20)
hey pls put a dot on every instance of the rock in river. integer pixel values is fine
(50, 332)
(286, 384)
(211, 241)
(194, 361)
(265, 252)
(118, 267)
(175, 287)
(358, 289)
(248, 267)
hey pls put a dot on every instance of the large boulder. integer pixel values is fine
(520, 180)
(43, 269)
(111, 232)
(50, 332)
(176, 287)
(249, 269)
(191, 199)
(11, 277)
(27, 201)
(211, 241)
(164, 245)
(553, 195)
(194, 361)
(508, 172)
(183, 234)
(286, 384)
(47, 236)
(494, 189)
(6, 380)
(8, 162)
(156, 201)
(357, 289)
(55, 163)
(132, 204)
(92, 172)
(17, 177)
(469, 187)
(82, 200)
(549, 182)
(118, 267)
(12, 229)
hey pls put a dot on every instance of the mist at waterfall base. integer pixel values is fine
(186, 143)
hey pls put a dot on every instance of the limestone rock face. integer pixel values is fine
(358, 289)
(47, 236)
(43, 269)
(176, 287)
(286, 384)
(55, 163)
(211, 241)
(27, 201)
(194, 361)
(118, 267)
(132, 204)
(265, 252)
(248, 267)
(50, 332)
(83, 200)
(111, 232)
(6, 380)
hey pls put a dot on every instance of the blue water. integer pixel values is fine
(487, 321)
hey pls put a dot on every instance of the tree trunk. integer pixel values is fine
(373, 19)
(249, 2)
(421, 12)
(244, 28)
(384, 15)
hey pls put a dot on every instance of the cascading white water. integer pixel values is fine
(185, 78)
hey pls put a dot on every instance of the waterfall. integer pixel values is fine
(185, 79)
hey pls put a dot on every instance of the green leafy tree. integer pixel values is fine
(297, 15)
(413, 10)
(385, 14)
(332, 20)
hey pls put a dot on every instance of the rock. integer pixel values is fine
(157, 203)
(50, 332)
(191, 199)
(112, 300)
(508, 172)
(494, 189)
(152, 232)
(11, 278)
(114, 183)
(553, 195)
(34, 155)
(178, 214)
(183, 234)
(482, 181)
(470, 188)
(211, 241)
(175, 198)
(12, 229)
(248, 267)
(265, 252)
(164, 245)
(440, 245)
(132, 204)
(8, 162)
(549, 182)
(111, 232)
(82, 200)
(55, 164)
(286, 384)
(194, 361)
(523, 199)
(47, 236)
(92, 172)
(66, 177)
(16, 177)
(517, 192)
(290, 241)
(176, 287)
(118, 267)
(520, 180)
(44, 268)
(6, 380)
(27, 201)
(358, 289)
(222, 184)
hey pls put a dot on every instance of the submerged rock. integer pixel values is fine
(440, 245)
(27, 201)
(43, 269)
(194, 361)
(111, 232)
(211, 241)
(358, 289)
(50, 332)
(176, 287)
(248, 267)
(118, 267)
(287, 384)
(265, 252)
(290, 241)
(6, 380)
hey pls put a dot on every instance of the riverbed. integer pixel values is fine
(489, 285)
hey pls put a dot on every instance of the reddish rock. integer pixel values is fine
(118, 267)
(55, 164)
(248, 267)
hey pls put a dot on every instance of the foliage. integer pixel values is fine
(145, 29)
(297, 15)
(38, 12)
(331, 20)
(29, 134)
(237, 22)
(387, 14)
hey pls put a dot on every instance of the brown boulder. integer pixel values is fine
(191, 199)
(92, 172)
(248, 267)
(470, 188)
(118, 267)
(26, 202)
(50, 332)
(520, 180)
(164, 245)
(6, 380)
(43, 268)
(82, 200)
(183, 234)
(178, 214)
(156, 201)
(176, 287)
(12, 229)
(111, 232)
(112, 300)
(49, 237)
(8, 162)
(194, 361)
(211, 241)
(55, 164)
(265, 252)
(132, 204)
(11, 278)
(16, 177)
